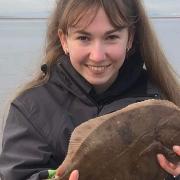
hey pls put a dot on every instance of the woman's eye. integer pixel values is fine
(83, 38)
(112, 37)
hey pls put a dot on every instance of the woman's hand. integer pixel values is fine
(73, 176)
(168, 166)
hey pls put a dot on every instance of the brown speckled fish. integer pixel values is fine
(123, 145)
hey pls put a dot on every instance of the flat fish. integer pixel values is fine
(123, 145)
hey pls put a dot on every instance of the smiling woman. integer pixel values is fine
(100, 56)
(98, 51)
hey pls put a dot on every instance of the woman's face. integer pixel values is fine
(97, 51)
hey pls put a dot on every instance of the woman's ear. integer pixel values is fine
(63, 40)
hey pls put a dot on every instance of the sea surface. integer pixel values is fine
(21, 47)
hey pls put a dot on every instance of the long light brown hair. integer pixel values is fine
(130, 13)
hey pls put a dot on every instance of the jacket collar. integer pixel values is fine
(64, 75)
(67, 77)
(128, 76)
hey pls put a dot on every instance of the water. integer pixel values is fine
(21, 43)
(168, 31)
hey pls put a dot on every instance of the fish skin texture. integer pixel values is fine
(123, 145)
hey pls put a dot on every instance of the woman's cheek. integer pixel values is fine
(118, 53)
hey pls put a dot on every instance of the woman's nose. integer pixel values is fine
(97, 52)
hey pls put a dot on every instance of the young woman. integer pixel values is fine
(101, 55)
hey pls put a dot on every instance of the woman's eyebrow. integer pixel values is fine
(106, 33)
(115, 30)
(82, 32)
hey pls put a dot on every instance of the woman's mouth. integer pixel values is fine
(98, 69)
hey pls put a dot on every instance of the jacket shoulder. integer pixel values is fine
(41, 107)
(31, 99)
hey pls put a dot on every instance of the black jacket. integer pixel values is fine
(41, 120)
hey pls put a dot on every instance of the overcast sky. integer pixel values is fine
(41, 8)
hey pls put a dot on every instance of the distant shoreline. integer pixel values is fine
(17, 18)
(164, 17)
(45, 18)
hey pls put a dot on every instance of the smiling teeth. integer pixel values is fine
(98, 68)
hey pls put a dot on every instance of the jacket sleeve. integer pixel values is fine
(25, 152)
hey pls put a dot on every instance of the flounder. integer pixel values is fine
(123, 145)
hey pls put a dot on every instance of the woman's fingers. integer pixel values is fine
(74, 175)
(168, 166)
(165, 164)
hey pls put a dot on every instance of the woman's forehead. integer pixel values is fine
(84, 18)
(96, 17)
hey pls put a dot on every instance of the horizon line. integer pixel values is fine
(42, 18)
